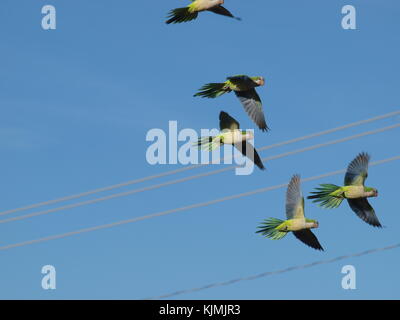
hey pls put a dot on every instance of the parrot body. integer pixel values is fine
(235, 136)
(331, 196)
(296, 222)
(225, 137)
(231, 134)
(244, 88)
(191, 12)
(204, 5)
(296, 225)
(235, 83)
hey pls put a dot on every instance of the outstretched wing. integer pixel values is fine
(248, 151)
(364, 210)
(252, 104)
(227, 122)
(223, 11)
(241, 80)
(357, 171)
(294, 199)
(306, 236)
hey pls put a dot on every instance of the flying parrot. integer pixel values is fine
(296, 222)
(244, 88)
(191, 12)
(354, 190)
(230, 133)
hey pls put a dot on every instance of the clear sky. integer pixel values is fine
(77, 102)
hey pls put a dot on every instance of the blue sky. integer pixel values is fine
(77, 103)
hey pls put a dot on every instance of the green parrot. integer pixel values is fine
(296, 222)
(191, 12)
(354, 190)
(231, 134)
(244, 88)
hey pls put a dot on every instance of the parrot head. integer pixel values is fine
(372, 192)
(314, 224)
(260, 81)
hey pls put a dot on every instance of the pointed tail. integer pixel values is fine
(212, 90)
(208, 143)
(270, 228)
(327, 195)
(181, 15)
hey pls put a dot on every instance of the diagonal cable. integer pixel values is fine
(187, 168)
(202, 175)
(186, 208)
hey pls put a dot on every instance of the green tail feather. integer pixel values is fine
(207, 143)
(181, 15)
(324, 196)
(212, 90)
(269, 229)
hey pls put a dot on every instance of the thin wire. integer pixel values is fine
(270, 273)
(210, 173)
(172, 172)
(168, 212)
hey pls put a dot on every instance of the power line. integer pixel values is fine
(322, 133)
(168, 212)
(210, 173)
(270, 273)
(187, 168)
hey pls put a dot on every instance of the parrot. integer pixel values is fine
(191, 12)
(354, 190)
(244, 88)
(296, 222)
(230, 133)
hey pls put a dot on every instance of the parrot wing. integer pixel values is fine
(308, 237)
(248, 151)
(223, 11)
(252, 104)
(240, 80)
(294, 199)
(357, 171)
(227, 122)
(364, 210)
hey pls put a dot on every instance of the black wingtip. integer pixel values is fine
(378, 225)
(258, 162)
(318, 248)
(222, 114)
